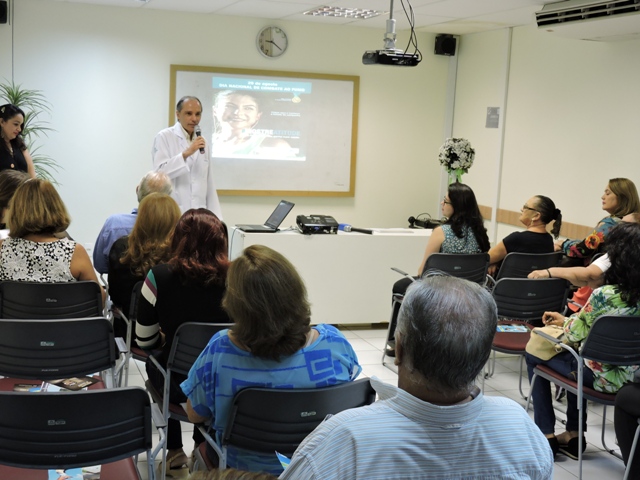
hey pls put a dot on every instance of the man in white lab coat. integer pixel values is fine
(186, 159)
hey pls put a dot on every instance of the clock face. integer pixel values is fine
(272, 42)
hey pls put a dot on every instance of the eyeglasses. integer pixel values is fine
(524, 207)
(445, 201)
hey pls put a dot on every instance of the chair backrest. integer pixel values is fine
(527, 299)
(33, 300)
(613, 340)
(135, 300)
(291, 414)
(50, 349)
(519, 265)
(472, 267)
(188, 342)
(67, 430)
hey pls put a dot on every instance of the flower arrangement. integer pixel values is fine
(456, 155)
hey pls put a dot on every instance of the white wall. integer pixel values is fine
(572, 118)
(106, 72)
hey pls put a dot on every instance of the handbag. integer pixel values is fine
(540, 347)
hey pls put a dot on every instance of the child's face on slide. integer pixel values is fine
(239, 111)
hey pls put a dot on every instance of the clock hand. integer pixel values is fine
(274, 43)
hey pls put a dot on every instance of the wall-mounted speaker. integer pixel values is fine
(445, 45)
(4, 11)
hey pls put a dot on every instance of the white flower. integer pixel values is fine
(456, 153)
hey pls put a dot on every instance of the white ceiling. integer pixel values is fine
(456, 17)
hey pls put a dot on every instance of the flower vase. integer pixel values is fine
(455, 175)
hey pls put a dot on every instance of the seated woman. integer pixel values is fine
(535, 214)
(591, 275)
(620, 198)
(10, 180)
(188, 288)
(620, 296)
(271, 344)
(33, 252)
(463, 232)
(147, 245)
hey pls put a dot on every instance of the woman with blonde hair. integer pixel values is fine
(620, 198)
(149, 243)
(33, 252)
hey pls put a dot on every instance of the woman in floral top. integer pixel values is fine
(620, 198)
(619, 296)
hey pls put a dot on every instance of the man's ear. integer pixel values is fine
(399, 350)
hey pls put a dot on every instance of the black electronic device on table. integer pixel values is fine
(416, 222)
(317, 224)
(273, 222)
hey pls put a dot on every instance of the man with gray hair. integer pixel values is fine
(436, 423)
(121, 224)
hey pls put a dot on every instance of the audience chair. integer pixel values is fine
(519, 265)
(132, 349)
(612, 340)
(71, 430)
(53, 349)
(189, 341)
(33, 300)
(523, 301)
(472, 267)
(292, 415)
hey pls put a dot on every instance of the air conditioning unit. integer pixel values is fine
(602, 21)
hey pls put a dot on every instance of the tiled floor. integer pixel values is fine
(368, 344)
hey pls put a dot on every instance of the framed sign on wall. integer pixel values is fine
(273, 132)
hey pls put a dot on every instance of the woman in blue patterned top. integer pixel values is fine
(271, 344)
(463, 232)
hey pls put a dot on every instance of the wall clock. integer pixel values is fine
(272, 42)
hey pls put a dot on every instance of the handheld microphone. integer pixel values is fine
(198, 133)
(348, 228)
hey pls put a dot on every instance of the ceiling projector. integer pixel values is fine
(395, 58)
(390, 55)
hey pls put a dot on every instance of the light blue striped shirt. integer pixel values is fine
(402, 437)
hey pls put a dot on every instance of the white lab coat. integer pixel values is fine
(193, 185)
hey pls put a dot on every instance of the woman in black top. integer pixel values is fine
(535, 214)
(188, 288)
(13, 151)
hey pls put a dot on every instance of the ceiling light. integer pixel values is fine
(358, 13)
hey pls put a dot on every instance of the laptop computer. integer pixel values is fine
(273, 222)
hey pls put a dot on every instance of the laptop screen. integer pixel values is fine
(281, 211)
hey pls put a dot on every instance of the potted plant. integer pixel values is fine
(34, 104)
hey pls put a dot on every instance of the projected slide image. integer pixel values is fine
(258, 118)
(271, 133)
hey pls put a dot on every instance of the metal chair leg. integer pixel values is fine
(632, 452)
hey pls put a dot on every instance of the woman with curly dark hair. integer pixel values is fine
(188, 288)
(463, 232)
(619, 296)
(271, 344)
